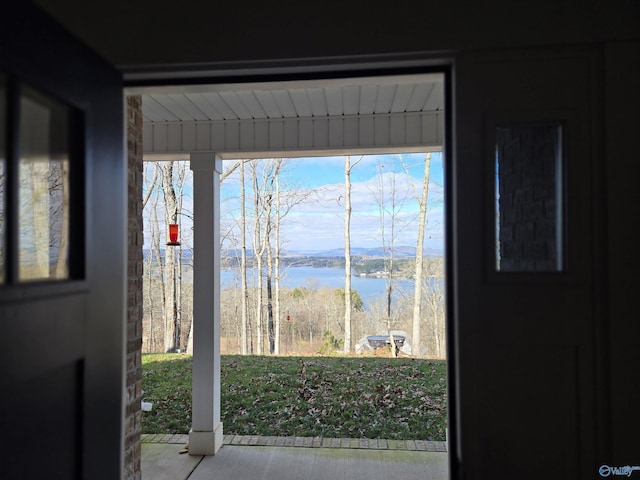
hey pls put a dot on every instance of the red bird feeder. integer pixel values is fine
(173, 235)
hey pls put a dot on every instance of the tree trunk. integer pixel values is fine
(422, 224)
(148, 308)
(276, 267)
(190, 340)
(151, 187)
(392, 340)
(347, 255)
(271, 191)
(243, 263)
(171, 342)
(263, 204)
(258, 250)
(159, 258)
(270, 325)
(148, 262)
(388, 206)
(259, 339)
(182, 171)
(348, 326)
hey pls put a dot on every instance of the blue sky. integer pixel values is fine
(318, 171)
(317, 223)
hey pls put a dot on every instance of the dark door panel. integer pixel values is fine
(63, 249)
(42, 415)
(526, 211)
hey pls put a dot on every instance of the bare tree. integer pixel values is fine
(172, 329)
(258, 250)
(243, 263)
(180, 184)
(262, 192)
(151, 186)
(156, 239)
(276, 268)
(347, 252)
(149, 260)
(285, 201)
(167, 310)
(270, 206)
(269, 278)
(389, 202)
(422, 224)
(269, 227)
(435, 306)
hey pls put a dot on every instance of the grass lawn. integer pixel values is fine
(355, 397)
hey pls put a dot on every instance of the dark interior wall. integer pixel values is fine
(622, 171)
(148, 32)
(156, 33)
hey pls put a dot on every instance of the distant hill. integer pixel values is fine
(378, 252)
(187, 253)
(364, 252)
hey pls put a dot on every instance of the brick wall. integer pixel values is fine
(133, 414)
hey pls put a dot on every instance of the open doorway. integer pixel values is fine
(404, 128)
(293, 213)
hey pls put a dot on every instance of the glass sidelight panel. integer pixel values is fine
(529, 198)
(43, 236)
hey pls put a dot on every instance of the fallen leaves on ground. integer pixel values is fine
(320, 396)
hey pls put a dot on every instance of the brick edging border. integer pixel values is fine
(309, 442)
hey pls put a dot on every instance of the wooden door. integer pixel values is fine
(62, 261)
(527, 206)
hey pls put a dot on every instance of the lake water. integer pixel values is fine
(369, 288)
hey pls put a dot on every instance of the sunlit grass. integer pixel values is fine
(305, 396)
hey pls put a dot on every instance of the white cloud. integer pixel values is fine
(317, 222)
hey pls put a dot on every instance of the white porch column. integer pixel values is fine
(205, 437)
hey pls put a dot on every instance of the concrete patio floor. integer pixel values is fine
(294, 458)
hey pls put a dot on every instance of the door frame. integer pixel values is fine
(364, 67)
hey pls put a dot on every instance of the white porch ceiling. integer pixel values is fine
(363, 96)
(359, 113)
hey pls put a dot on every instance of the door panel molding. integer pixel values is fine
(526, 341)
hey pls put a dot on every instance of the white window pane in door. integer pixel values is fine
(43, 234)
